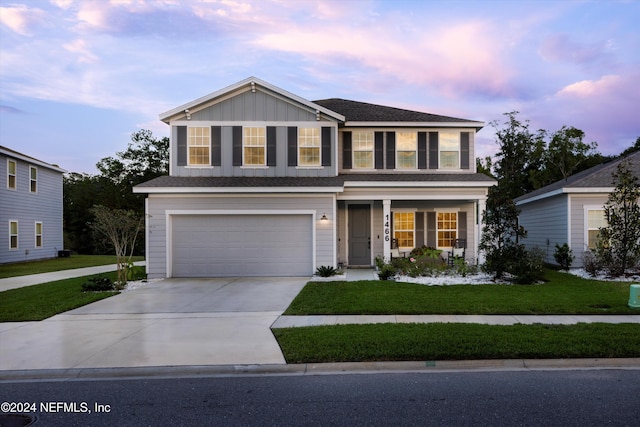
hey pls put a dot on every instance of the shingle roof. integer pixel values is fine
(355, 111)
(333, 181)
(600, 176)
(10, 152)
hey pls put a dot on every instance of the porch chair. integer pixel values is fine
(458, 251)
(395, 252)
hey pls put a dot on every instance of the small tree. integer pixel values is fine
(619, 243)
(501, 232)
(121, 228)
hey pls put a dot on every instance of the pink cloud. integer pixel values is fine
(21, 19)
(562, 48)
(460, 60)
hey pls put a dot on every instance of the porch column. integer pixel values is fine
(386, 227)
(482, 203)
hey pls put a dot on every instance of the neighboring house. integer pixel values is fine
(30, 208)
(570, 211)
(264, 182)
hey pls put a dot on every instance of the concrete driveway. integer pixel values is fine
(223, 321)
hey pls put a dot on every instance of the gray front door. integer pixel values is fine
(360, 235)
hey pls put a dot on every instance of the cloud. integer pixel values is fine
(21, 19)
(6, 109)
(81, 48)
(461, 60)
(562, 48)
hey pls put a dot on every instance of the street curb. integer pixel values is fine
(319, 369)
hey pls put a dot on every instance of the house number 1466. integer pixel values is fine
(387, 230)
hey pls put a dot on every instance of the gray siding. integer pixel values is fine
(546, 224)
(28, 208)
(578, 227)
(157, 221)
(254, 107)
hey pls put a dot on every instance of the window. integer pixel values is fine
(13, 234)
(595, 221)
(309, 146)
(403, 229)
(406, 146)
(33, 179)
(11, 174)
(38, 235)
(362, 143)
(447, 229)
(254, 147)
(199, 146)
(449, 150)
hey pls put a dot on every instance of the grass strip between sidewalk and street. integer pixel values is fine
(38, 302)
(456, 341)
(563, 293)
(58, 264)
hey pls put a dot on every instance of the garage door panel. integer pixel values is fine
(241, 245)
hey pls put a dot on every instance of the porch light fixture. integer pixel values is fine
(324, 218)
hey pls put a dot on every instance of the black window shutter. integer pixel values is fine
(379, 150)
(419, 241)
(326, 146)
(182, 145)
(216, 146)
(292, 146)
(346, 150)
(422, 150)
(433, 150)
(237, 146)
(391, 150)
(464, 150)
(271, 146)
(462, 226)
(432, 241)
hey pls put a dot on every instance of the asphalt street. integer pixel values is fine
(499, 398)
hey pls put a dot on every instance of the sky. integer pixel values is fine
(77, 78)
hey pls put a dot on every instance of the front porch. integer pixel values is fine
(366, 228)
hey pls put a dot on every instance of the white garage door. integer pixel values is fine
(241, 245)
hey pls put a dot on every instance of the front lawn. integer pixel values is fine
(456, 341)
(57, 264)
(39, 302)
(562, 294)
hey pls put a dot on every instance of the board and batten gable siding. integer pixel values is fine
(27, 208)
(578, 203)
(257, 109)
(157, 205)
(546, 223)
(427, 150)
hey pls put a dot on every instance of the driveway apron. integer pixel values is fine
(222, 321)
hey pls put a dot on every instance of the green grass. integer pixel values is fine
(39, 302)
(562, 294)
(57, 264)
(437, 341)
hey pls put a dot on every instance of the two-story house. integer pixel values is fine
(30, 208)
(264, 182)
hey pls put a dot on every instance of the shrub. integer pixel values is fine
(591, 263)
(425, 251)
(100, 283)
(387, 272)
(136, 272)
(528, 266)
(463, 268)
(325, 271)
(563, 256)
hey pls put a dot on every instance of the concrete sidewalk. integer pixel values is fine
(36, 279)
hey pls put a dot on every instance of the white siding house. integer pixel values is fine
(30, 208)
(264, 182)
